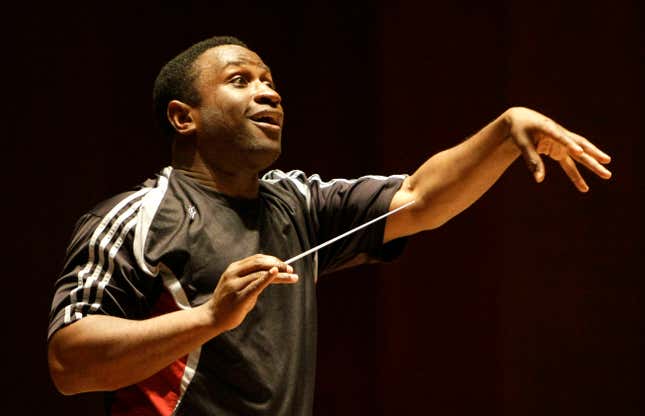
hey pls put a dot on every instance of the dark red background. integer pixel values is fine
(529, 303)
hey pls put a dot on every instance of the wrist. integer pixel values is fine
(207, 318)
(506, 123)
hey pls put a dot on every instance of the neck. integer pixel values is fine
(233, 182)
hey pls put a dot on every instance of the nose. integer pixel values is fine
(267, 95)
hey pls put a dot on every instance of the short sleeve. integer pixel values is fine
(100, 274)
(340, 205)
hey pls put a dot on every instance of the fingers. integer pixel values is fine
(557, 151)
(593, 165)
(562, 136)
(569, 167)
(259, 262)
(590, 148)
(240, 285)
(253, 274)
(591, 157)
(255, 283)
(270, 276)
(584, 151)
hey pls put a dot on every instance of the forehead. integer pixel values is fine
(217, 59)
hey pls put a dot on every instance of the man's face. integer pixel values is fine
(239, 120)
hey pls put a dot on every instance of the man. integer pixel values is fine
(175, 297)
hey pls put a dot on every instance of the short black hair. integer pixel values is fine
(176, 80)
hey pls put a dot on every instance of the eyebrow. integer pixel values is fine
(243, 62)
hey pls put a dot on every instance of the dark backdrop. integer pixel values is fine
(528, 303)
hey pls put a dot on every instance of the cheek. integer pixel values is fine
(216, 118)
(230, 100)
(223, 109)
(228, 112)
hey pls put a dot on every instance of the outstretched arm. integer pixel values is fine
(452, 180)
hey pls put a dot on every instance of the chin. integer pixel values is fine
(261, 157)
(269, 159)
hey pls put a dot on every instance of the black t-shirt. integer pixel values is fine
(164, 246)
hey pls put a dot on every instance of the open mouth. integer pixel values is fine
(267, 117)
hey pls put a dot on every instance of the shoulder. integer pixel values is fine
(134, 198)
(275, 176)
(292, 182)
(123, 219)
(315, 187)
(299, 178)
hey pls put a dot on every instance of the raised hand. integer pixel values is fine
(536, 134)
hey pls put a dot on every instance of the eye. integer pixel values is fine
(239, 81)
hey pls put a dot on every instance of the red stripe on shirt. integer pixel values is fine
(158, 394)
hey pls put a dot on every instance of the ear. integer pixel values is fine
(180, 115)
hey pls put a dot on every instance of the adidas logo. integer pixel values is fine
(192, 212)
